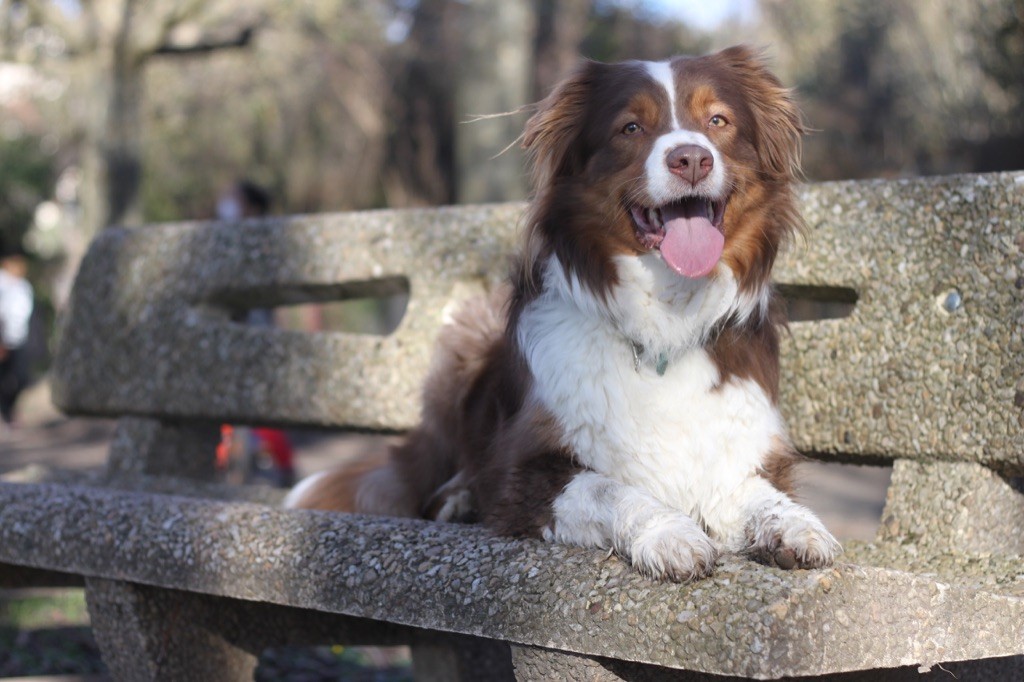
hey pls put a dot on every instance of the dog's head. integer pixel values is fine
(693, 157)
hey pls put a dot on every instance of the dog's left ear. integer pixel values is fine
(779, 123)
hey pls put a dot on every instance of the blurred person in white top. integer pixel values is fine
(16, 302)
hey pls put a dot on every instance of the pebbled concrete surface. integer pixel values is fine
(745, 620)
(902, 376)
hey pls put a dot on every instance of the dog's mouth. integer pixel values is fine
(687, 232)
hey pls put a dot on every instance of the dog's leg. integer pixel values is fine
(596, 511)
(452, 502)
(766, 525)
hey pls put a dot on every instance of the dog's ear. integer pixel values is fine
(553, 129)
(779, 123)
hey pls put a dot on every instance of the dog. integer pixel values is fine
(621, 392)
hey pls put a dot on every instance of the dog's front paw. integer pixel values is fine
(672, 547)
(797, 539)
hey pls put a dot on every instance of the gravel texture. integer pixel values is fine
(745, 620)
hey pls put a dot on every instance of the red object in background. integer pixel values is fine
(245, 455)
(275, 442)
(227, 434)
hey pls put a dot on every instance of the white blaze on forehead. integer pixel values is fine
(662, 186)
(662, 74)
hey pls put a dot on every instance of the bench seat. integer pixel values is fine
(892, 608)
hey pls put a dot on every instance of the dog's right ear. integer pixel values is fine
(552, 131)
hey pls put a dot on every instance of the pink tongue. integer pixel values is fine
(692, 245)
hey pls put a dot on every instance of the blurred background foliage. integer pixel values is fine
(131, 111)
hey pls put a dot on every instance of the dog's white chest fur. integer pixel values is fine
(682, 436)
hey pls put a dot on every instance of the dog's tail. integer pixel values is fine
(341, 488)
(407, 480)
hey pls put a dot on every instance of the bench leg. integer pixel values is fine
(150, 634)
(954, 505)
(154, 448)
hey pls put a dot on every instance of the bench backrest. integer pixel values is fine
(930, 365)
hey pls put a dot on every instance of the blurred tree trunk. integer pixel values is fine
(107, 45)
(460, 61)
(561, 27)
(419, 166)
(111, 170)
(494, 77)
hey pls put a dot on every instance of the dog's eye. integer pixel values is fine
(718, 121)
(631, 128)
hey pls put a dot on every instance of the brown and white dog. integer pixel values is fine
(623, 392)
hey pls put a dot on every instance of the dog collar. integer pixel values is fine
(638, 353)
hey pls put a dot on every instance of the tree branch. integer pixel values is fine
(168, 19)
(243, 39)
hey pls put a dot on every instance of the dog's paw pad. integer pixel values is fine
(785, 557)
(800, 542)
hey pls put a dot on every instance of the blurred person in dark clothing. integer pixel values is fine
(16, 303)
(245, 199)
(259, 452)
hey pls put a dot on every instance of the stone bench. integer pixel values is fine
(188, 579)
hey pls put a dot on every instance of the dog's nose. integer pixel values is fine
(691, 162)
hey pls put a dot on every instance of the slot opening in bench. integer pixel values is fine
(809, 303)
(375, 307)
